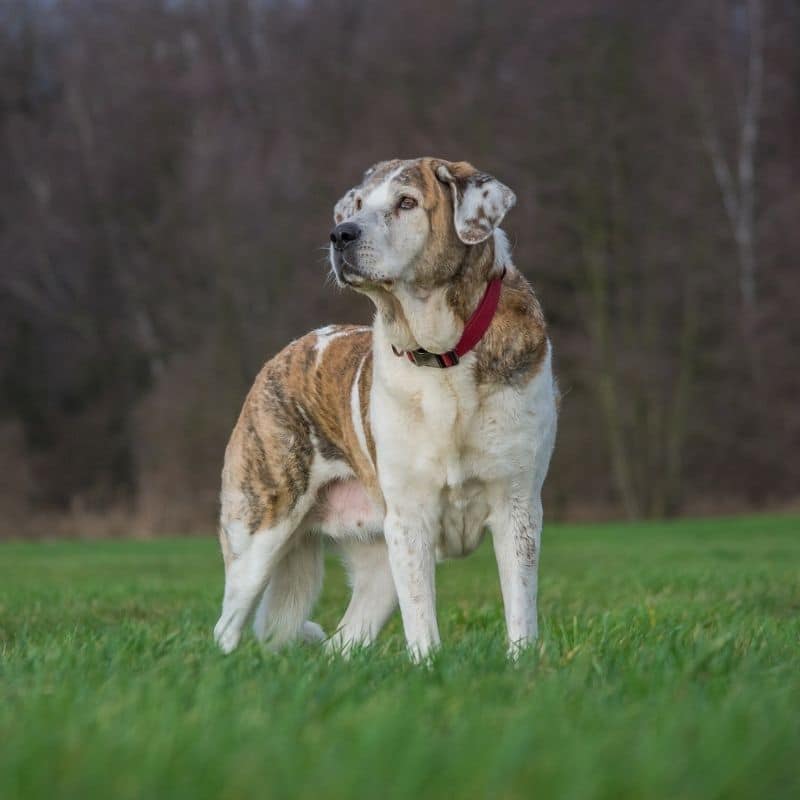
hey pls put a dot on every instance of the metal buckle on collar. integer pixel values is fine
(424, 358)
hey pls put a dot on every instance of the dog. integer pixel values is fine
(403, 442)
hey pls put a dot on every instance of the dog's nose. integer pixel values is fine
(344, 234)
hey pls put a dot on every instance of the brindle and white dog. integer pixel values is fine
(401, 463)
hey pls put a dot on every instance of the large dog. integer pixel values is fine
(402, 442)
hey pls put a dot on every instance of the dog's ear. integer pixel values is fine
(479, 201)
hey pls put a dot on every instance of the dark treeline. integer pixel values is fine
(167, 175)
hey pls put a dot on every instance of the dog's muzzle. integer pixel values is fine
(344, 234)
(342, 260)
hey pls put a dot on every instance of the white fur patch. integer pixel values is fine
(380, 196)
(330, 332)
(238, 535)
(502, 251)
(355, 413)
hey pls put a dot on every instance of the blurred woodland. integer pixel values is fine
(168, 170)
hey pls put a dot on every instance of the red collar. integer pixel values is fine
(476, 327)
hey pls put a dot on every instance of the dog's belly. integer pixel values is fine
(344, 510)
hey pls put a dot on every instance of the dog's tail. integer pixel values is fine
(293, 588)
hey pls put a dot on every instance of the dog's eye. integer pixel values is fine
(407, 202)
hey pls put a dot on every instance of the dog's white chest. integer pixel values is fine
(442, 445)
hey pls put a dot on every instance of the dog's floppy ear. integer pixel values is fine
(479, 201)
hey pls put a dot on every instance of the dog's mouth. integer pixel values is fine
(348, 274)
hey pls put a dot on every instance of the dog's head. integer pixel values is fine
(412, 222)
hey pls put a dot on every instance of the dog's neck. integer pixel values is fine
(434, 318)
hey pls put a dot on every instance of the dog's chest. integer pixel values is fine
(444, 443)
(443, 429)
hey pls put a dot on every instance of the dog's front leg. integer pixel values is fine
(516, 526)
(410, 537)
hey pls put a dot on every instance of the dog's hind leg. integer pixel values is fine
(293, 588)
(250, 560)
(374, 597)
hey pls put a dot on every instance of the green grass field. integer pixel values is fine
(668, 666)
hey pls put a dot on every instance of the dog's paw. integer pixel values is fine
(226, 636)
(338, 646)
(424, 656)
(517, 648)
(312, 633)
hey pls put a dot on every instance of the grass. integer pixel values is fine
(668, 666)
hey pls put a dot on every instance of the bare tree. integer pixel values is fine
(168, 174)
(740, 35)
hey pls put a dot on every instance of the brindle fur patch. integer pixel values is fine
(298, 407)
(513, 348)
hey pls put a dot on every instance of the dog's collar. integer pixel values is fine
(476, 327)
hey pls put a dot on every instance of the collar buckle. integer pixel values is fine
(424, 358)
